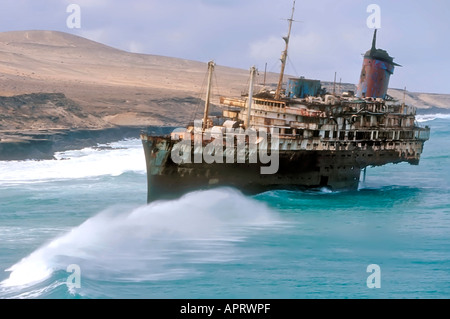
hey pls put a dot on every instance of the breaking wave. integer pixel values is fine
(431, 117)
(163, 240)
(109, 159)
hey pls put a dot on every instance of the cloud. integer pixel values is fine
(88, 3)
(266, 50)
(331, 36)
(310, 54)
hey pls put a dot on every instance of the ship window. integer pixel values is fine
(359, 135)
(342, 135)
(351, 136)
(316, 133)
(327, 134)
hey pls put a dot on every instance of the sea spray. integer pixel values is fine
(163, 240)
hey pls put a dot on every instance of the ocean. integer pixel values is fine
(79, 227)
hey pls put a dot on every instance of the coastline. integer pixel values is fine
(43, 146)
(433, 110)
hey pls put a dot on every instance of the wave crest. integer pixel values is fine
(431, 117)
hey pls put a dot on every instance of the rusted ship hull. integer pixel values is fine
(337, 169)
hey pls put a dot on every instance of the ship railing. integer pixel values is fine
(360, 135)
(378, 107)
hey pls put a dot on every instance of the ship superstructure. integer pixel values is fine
(296, 137)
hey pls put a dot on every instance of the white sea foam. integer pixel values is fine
(431, 117)
(113, 159)
(164, 240)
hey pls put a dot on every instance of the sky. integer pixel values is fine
(328, 36)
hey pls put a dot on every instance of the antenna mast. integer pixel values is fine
(284, 55)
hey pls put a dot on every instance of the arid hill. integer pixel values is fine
(57, 81)
(110, 86)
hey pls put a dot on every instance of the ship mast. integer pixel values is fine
(250, 96)
(284, 55)
(211, 66)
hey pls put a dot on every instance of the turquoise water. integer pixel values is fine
(88, 209)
